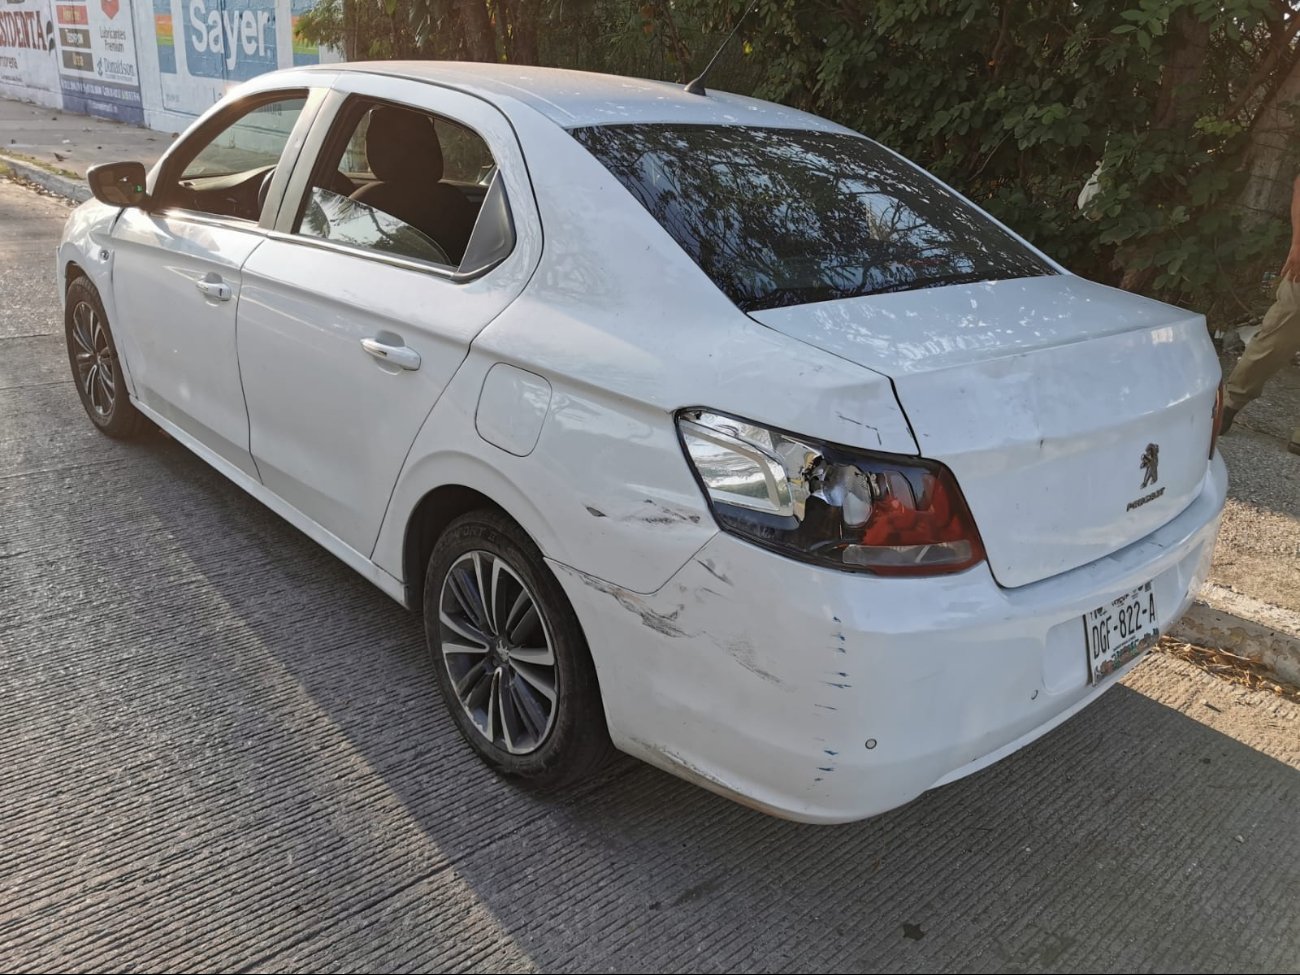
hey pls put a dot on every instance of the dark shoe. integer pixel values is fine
(1294, 447)
(1225, 420)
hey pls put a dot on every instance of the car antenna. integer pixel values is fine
(696, 87)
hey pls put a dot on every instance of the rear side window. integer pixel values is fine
(788, 216)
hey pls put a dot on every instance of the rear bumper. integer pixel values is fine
(826, 697)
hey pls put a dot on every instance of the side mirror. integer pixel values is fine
(118, 184)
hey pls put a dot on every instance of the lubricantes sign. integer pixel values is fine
(97, 65)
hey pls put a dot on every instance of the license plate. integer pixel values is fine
(1120, 631)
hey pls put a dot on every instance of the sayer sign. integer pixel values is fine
(232, 39)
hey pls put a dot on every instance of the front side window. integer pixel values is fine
(227, 172)
(781, 217)
(400, 182)
(254, 141)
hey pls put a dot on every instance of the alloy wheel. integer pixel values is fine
(498, 652)
(95, 359)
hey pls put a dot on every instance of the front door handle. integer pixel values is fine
(212, 286)
(399, 355)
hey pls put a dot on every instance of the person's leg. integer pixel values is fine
(1277, 340)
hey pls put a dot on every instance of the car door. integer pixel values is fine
(358, 311)
(176, 264)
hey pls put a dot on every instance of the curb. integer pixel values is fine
(65, 186)
(1228, 620)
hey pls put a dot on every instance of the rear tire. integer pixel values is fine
(509, 655)
(96, 368)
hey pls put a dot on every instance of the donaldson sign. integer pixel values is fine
(97, 66)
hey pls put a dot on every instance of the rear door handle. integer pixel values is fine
(213, 287)
(399, 355)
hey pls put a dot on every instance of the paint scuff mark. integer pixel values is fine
(831, 683)
(742, 651)
(830, 751)
(665, 623)
(713, 571)
(660, 514)
(595, 512)
(825, 768)
(826, 707)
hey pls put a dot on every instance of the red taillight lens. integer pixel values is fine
(911, 532)
(1217, 422)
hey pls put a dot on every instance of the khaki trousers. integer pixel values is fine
(1277, 340)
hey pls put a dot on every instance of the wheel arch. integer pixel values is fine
(71, 271)
(430, 517)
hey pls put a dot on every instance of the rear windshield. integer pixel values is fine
(788, 216)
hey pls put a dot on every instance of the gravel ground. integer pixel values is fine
(1259, 543)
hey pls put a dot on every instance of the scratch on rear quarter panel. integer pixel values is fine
(660, 514)
(711, 570)
(743, 653)
(664, 623)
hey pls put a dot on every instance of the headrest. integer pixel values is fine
(402, 146)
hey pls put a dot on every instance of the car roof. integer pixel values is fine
(577, 98)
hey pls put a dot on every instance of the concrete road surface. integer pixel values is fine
(220, 750)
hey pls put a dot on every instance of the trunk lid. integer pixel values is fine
(1075, 417)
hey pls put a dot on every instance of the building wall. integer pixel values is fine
(149, 62)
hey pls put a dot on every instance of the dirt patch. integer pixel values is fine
(1228, 666)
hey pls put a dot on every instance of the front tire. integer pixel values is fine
(96, 368)
(509, 655)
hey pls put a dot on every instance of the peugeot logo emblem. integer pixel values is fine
(1151, 464)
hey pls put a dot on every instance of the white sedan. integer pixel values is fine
(695, 426)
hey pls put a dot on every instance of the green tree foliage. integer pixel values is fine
(1185, 109)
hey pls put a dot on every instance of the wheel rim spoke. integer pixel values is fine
(481, 592)
(529, 623)
(529, 710)
(504, 710)
(539, 679)
(105, 388)
(465, 630)
(497, 651)
(493, 703)
(522, 604)
(464, 596)
(538, 656)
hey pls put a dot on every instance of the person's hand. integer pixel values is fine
(1291, 269)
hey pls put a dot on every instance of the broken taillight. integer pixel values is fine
(864, 511)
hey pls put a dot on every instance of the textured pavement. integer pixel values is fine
(220, 750)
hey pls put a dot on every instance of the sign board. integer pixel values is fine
(28, 60)
(97, 65)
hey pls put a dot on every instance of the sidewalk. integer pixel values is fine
(55, 148)
(1251, 604)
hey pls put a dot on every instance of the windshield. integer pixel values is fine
(788, 216)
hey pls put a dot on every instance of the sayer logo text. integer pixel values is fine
(232, 39)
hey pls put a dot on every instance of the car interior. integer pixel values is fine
(425, 177)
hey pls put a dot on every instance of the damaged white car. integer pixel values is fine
(695, 426)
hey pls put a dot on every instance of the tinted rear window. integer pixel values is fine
(787, 216)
